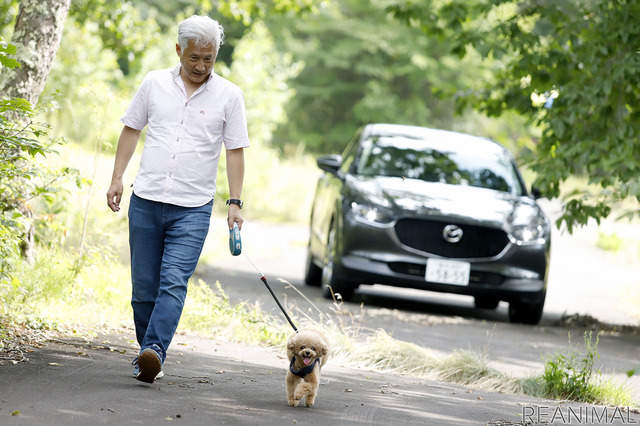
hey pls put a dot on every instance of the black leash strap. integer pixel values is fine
(264, 280)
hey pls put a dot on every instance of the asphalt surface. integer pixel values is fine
(78, 382)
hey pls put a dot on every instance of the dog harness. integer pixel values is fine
(303, 371)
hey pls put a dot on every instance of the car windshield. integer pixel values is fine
(439, 161)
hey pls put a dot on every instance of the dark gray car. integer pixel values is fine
(429, 209)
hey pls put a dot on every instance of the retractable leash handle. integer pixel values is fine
(235, 242)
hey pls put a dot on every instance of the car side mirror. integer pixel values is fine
(536, 193)
(330, 163)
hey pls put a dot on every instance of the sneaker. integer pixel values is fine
(136, 370)
(148, 366)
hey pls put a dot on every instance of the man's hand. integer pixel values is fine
(235, 175)
(234, 215)
(114, 195)
(126, 146)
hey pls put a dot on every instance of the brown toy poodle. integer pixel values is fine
(308, 351)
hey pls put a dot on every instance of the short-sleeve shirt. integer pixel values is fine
(179, 161)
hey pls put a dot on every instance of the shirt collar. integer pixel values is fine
(175, 72)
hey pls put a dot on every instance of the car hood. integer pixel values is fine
(412, 197)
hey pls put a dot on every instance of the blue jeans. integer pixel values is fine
(165, 242)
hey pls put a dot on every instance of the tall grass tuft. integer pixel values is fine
(573, 376)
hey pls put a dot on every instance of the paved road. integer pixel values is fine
(71, 383)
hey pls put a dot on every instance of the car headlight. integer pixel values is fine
(535, 233)
(370, 214)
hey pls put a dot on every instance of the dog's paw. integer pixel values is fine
(309, 400)
(294, 402)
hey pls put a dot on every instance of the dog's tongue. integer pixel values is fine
(306, 360)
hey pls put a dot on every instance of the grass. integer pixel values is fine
(80, 283)
(572, 376)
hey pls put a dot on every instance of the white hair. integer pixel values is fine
(202, 30)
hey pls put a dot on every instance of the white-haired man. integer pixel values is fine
(191, 113)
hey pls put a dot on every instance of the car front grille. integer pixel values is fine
(427, 236)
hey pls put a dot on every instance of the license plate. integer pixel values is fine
(448, 271)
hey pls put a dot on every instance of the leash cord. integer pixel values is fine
(263, 278)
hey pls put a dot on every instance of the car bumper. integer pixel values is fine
(373, 255)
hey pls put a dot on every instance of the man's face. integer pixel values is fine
(197, 61)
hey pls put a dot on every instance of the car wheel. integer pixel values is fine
(312, 273)
(526, 312)
(486, 302)
(331, 284)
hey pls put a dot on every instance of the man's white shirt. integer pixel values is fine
(185, 135)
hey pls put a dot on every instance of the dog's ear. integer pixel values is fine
(292, 343)
(324, 349)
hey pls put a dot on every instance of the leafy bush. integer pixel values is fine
(23, 178)
(573, 377)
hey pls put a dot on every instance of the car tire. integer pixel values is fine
(331, 284)
(486, 302)
(526, 312)
(312, 272)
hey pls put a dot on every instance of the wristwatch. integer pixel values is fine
(235, 201)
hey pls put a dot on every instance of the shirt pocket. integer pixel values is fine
(207, 123)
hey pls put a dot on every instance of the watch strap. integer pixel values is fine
(235, 201)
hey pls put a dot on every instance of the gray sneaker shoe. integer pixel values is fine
(148, 365)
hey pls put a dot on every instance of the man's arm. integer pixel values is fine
(235, 176)
(126, 147)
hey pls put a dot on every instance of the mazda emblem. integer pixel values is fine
(452, 233)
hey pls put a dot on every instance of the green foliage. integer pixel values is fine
(571, 68)
(124, 31)
(355, 71)
(250, 10)
(360, 66)
(263, 73)
(55, 289)
(8, 10)
(572, 376)
(209, 311)
(23, 178)
(8, 49)
(287, 197)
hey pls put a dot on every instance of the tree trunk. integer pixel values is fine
(37, 34)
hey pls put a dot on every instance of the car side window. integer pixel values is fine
(349, 154)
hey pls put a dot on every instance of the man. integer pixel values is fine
(190, 113)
